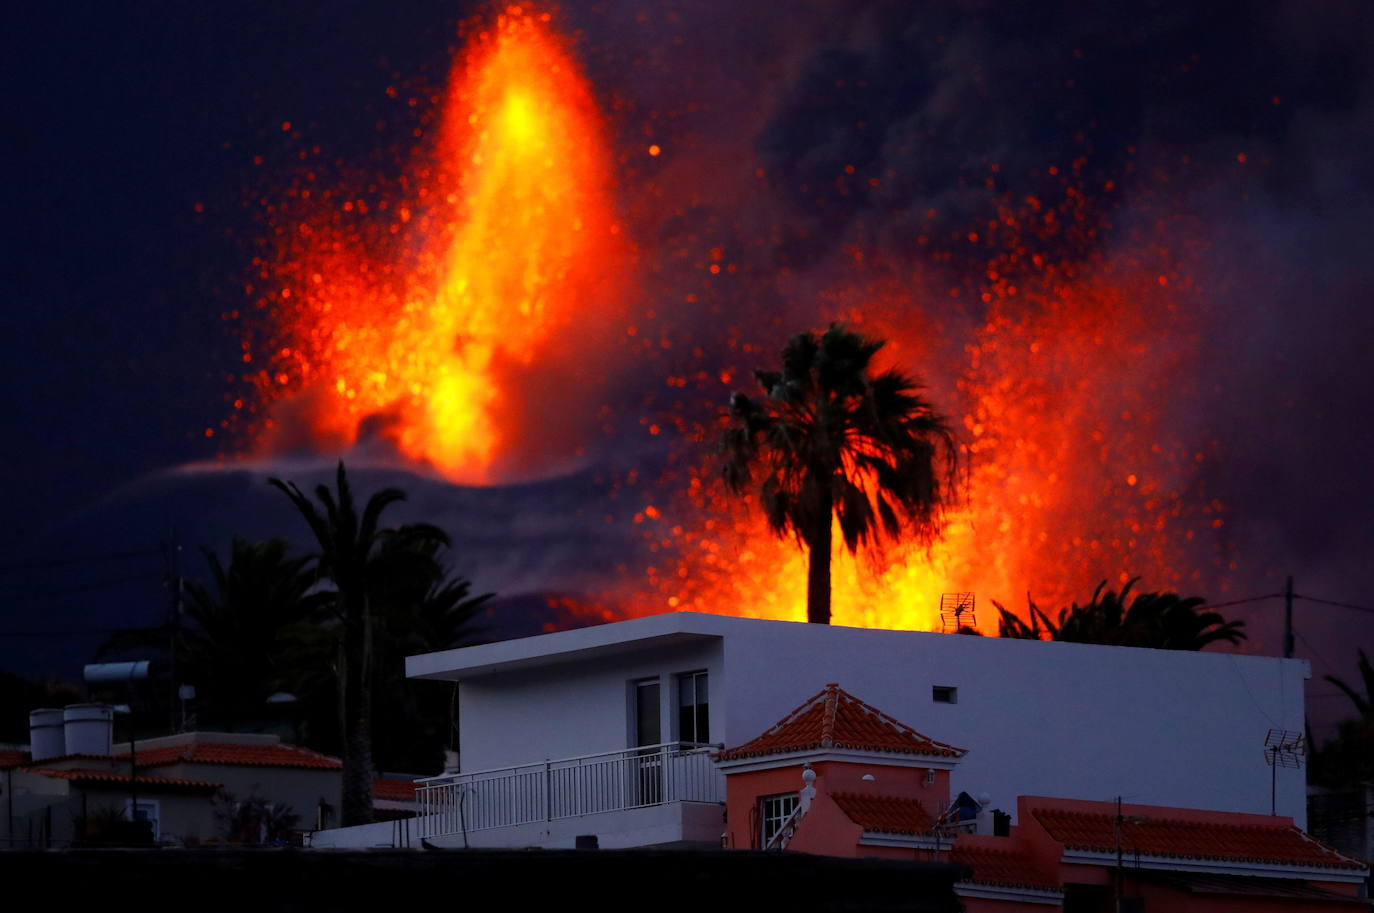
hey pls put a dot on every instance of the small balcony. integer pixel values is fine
(663, 794)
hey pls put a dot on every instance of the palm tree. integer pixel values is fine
(831, 441)
(239, 628)
(1164, 621)
(1348, 759)
(360, 559)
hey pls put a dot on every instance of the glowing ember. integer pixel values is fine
(452, 320)
(514, 232)
(1071, 472)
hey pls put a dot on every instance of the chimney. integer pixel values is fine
(46, 738)
(89, 729)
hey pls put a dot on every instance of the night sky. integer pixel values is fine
(137, 207)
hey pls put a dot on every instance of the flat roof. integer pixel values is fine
(675, 628)
(629, 636)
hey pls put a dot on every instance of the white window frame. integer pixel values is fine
(678, 681)
(773, 813)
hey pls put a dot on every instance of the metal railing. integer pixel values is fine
(569, 787)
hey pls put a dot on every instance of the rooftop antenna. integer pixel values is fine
(1282, 748)
(956, 612)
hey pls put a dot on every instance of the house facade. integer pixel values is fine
(838, 777)
(608, 732)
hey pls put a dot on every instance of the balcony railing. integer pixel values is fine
(569, 787)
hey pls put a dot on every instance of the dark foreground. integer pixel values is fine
(397, 881)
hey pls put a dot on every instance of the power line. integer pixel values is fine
(1342, 605)
(1309, 646)
(1222, 605)
(80, 559)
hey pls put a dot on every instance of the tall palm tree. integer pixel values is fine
(829, 440)
(359, 558)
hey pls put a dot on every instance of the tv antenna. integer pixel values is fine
(1282, 748)
(956, 612)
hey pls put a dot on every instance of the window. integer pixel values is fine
(144, 811)
(944, 694)
(647, 729)
(693, 708)
(773, 813)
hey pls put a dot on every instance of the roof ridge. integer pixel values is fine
(832, 702)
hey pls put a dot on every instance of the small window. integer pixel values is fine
(693, 708)
(773, 814)
(944, 694)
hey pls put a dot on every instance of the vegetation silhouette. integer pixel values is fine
(828, 440)
(373, 571)
(1163, 621)
(236, 640)
(1347, 760)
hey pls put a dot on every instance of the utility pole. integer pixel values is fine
(1288, 619)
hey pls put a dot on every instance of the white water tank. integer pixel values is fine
(47, 736)
(89, 729)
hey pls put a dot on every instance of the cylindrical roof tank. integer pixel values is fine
(47, 734)
(89, 729)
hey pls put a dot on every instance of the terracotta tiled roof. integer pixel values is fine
(834, 718)
(10, 757)
(237, 756)
(1003, 867)
(395, 790)
(1280, 844)
(114, 777)
(885, 814)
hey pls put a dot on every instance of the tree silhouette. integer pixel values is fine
(238, 630)
(361, 560)
(830, 441)
(1164, 621)
(1348, 759)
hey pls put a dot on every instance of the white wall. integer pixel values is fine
(570, 709)
(1055, 719)
(1068, 720)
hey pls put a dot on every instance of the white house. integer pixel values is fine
(607, 731)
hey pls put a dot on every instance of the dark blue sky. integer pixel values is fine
(124, 116)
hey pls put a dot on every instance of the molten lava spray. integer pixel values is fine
(507, 266)
(468, 318)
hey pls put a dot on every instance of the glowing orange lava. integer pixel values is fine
(509, 241)
(1072, 472)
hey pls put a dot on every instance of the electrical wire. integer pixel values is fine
(1342, 605)
(1222, 605)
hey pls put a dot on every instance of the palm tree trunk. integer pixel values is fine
(357, 736)
(818, 565)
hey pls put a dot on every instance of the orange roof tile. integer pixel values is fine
(109, 776)
(885, 814)
(237, 756)
(395, 790)
(10, 757)
(1280, 844)
(834, 718)
(1003, 867)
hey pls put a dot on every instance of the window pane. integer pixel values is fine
(647, 729)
